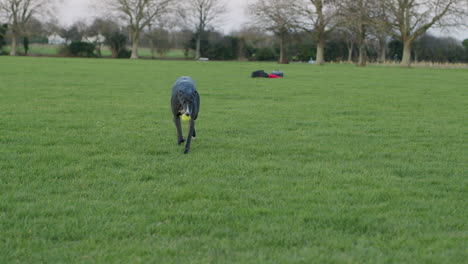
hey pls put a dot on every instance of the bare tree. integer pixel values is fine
(33, 29)
(202, 13)
(380, 30)
(410, 19)
(19, 13)
(99, 30)
(52, 26)
(358, 16)
(138, 14)
(277, 16)
(382, 37)
(348, 35)
(159, 40)
(252, 36)
(319, 19)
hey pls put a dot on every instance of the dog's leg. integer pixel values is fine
(189, 137)
(180, 139)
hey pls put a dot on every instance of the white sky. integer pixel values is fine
(72, 10)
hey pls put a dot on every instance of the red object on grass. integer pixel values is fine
(274, 76)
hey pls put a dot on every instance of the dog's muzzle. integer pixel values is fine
(187, 110)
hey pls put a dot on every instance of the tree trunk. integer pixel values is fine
(241, 50)
(98, 50)
(115, 52)
(320, 48)
(406, 61)
(134, 45)
(350, 53)
(281, 58)
(362, 46)
(198, 52)
(14, 42)
(153, 49)
(362, 54)
(383, 52)
(361, 61)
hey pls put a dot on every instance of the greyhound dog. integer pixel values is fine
(185, 101)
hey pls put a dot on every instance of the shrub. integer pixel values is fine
(465, 45)
(215, 46)
(225, 48)
(335, 51)
(306, 51)
(117, 42)
(3, 30)
(79, 49)
(124, 54)
(395, 49)
(26, 45)
(265, 54)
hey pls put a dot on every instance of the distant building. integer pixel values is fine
(55, 39)
(94, 39)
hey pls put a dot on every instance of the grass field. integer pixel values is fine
(333, 164)
(53, 50)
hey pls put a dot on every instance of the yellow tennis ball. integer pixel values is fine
(185, 118)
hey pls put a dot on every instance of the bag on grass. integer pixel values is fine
(261, 73)
(278, 73)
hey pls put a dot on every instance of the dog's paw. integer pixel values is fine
(181, 141)
(186, 151)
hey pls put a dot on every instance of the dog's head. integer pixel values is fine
(186, 99)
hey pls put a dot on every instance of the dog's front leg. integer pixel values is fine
(190, 135)
(180, 139)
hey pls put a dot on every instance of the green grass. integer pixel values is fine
(146, 53)
(37, 49)
(333, 164)
(48, 50)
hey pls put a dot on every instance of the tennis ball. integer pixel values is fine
(185, 118)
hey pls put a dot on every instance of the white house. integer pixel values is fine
(94, 39)
(55, 39)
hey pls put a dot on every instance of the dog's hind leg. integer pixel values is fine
(180, 139)
(190, 135)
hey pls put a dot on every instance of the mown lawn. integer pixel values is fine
(54, 50)
(333, 164)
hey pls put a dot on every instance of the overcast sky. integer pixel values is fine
(72, 10)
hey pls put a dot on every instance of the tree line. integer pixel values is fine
(324, 30)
